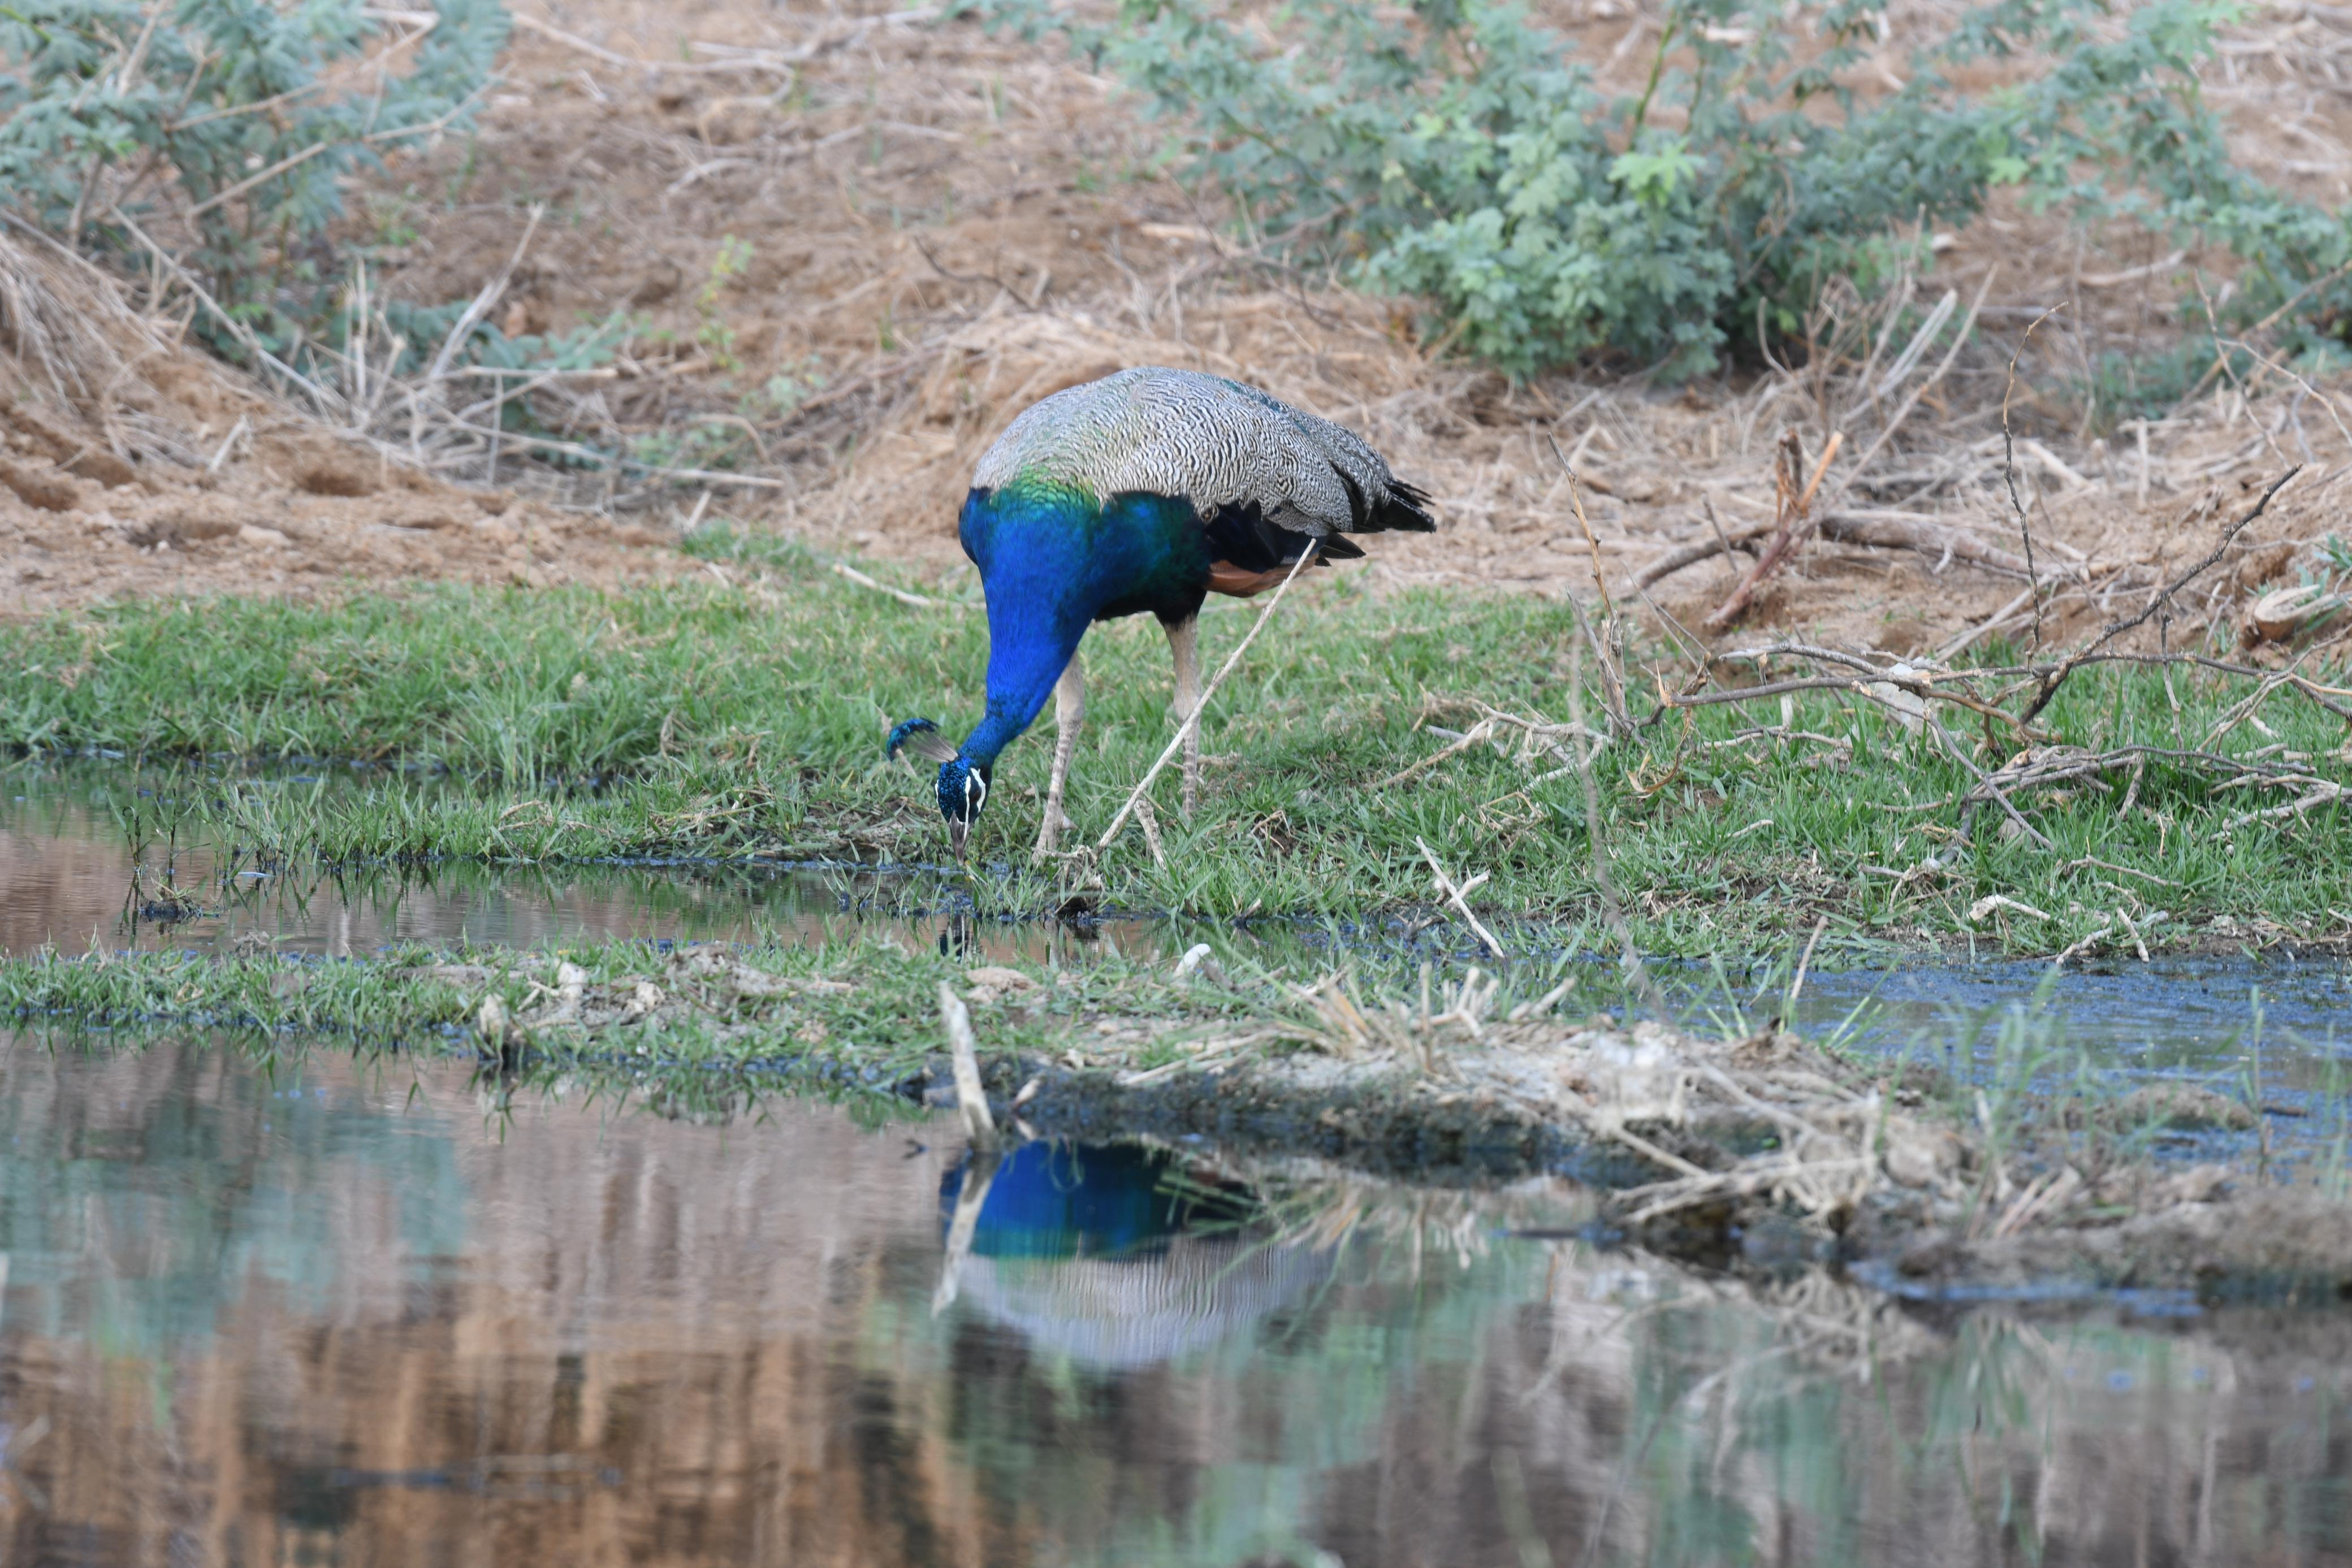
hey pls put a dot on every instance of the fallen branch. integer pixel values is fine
(2324, 794)
(1924, 685)
(634, 466)
(1458, 896)
(736, 62)
(1477, 732)
(1862, 464)
(1149, 821)
(1883, 531)
(479, 306)
(972, 1099)
(1795, 512)
(1953, 749)
(852, 574)
(326, 401)
(2009, 469)
(1676, 560)
(1872, 530)
(2162, 597)
(1986, 905)
(1992, 623)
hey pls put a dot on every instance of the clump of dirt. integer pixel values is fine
(133, 466)
(1696, 1142)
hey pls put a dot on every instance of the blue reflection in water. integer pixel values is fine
(1113, 1255)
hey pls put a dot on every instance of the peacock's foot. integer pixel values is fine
(1049, 834)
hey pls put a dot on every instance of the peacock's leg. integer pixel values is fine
(1184, 644)
(1069, 713)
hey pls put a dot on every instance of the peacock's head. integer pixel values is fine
(963, 783)
(963, 790)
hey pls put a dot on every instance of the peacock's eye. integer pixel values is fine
(975, 793)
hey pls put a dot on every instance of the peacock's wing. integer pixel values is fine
(1263, 476)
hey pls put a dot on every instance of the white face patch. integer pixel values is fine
(975, 796)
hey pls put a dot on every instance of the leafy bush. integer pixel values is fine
(1458, 152)
(226, 125)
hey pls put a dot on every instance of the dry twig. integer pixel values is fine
(1192, 719)
(1458, 895)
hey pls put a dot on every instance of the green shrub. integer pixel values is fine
(1458, 152)
(226, 127)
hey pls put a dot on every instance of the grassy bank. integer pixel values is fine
(746, 716)
(862, 1015)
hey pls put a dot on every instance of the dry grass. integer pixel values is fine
(1740, 1131)
(132, 466)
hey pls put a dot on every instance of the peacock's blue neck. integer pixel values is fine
(1052, 560)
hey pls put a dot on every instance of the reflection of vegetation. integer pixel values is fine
(194, 1179)
(186, 1216)
(1652, 1416)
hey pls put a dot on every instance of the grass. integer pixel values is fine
(721, 1026)
(713, 718)
(858, 1016)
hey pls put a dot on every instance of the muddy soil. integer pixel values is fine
(134, 467)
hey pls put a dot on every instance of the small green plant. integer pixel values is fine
(715, 336)
(394, 214)
(786, 390)
(1456, 150)
(421, 330)
(703, 444)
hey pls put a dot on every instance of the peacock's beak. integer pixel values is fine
(957, 830)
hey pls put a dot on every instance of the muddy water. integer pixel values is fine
(356, 1314)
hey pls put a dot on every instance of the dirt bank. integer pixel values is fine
(132, 466)
(853, 244)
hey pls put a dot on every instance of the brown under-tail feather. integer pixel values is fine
(1240, 582)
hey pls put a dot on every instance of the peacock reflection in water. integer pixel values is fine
(1113, 1255)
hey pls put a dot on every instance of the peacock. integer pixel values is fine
(1145, 491)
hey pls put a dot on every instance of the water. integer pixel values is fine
(66, 879)
(361, 1313)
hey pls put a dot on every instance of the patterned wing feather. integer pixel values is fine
(1253, 465)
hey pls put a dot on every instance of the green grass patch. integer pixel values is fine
(860, 1017)
(725, 719)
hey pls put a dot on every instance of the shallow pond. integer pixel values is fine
(2274, 1029)
(367, 1312)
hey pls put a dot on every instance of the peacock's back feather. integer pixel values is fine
(1253, 468)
